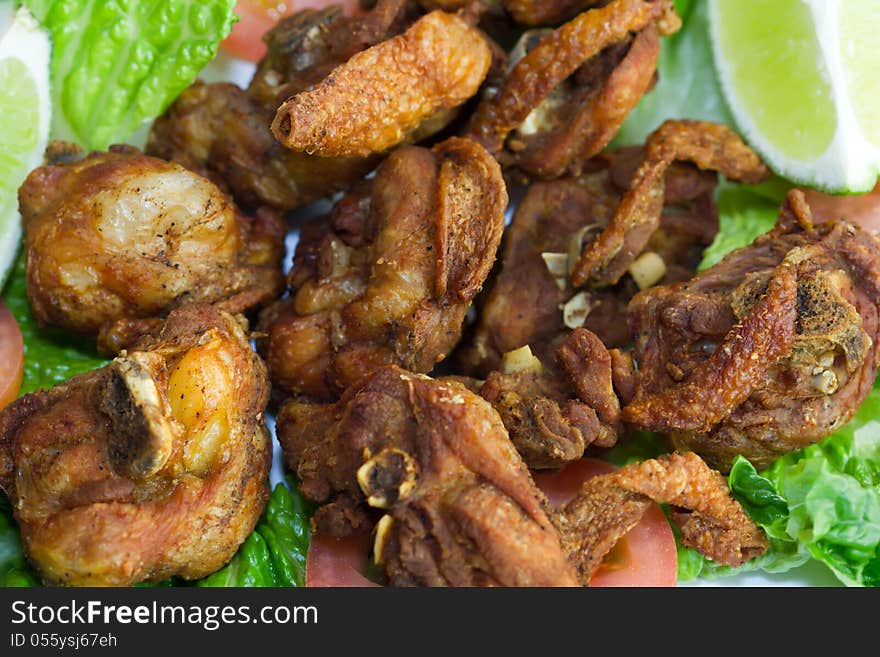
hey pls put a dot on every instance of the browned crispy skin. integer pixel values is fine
(711, 146)
(523, 306)
(381, 96)
(769, 351)
(460, 506)
(553, 412)
(154, 466)
(566, 97)
(223, 131)
(121, 235)
(390, 277)
(534, 13)
(608, 506)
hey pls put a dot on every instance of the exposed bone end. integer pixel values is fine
(388, 478)
(134, 399)
(383, 528)
(521, 360)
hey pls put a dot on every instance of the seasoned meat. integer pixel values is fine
(151, 467)
(389, 93)
(711, 146)
(459, 505)
(534, 13)
(223, 131)
(531, 301)
(390, 277)
(121, 235)
(570, 89)
(770, 350)
(553, 412)
(608, 506)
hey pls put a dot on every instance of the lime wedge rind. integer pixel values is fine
(25, 106)
(849, 163)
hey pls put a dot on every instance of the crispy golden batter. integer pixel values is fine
(709, 145)
(769, 351)
(553, 412)
(120, 235)
(566, 97)
(151, 467)
(390, 277)
(534, 13)
(381, 96)
(460, 508)
(531, 301)
(223, 131)
(608, 506)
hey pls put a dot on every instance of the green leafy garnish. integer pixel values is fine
(14, 570)
(116, 65)
(51, 356)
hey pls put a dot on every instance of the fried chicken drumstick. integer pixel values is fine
(390, 277)
(120, 236)
(770, 350)
(151, 467)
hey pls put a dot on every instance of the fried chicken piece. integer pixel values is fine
(770, 350)
(223, 131)
(534, 13)
(608, 506)
(390, 277)
(120, 235)
(384, 96)
(151, 467)
(531, 301)
(459, 505)
(553, 412)
(566, 96)
(711, 146)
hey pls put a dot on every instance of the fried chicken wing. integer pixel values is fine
(770, 350)
(223, 131)
(151, 467)
(384, 95)
(534, 13)
(553, 412)
(458, 506)
(712, 146)
(608, 506)
(570, 89)
(531, 301)
(121, 235)
(390, 277)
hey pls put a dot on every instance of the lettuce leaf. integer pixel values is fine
(14, 570)
(116, 65)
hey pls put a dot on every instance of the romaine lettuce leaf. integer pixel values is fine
(14, 570)
(116, 65)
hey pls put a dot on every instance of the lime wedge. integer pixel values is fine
(801, 78)
(25, 109)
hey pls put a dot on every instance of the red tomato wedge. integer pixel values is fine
(862, 209)
(645, 556)
(337, 562)
(256, 17)
(11, 356)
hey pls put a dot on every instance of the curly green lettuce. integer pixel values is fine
(117, 65)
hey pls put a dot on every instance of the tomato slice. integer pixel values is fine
(863, 209)
(645, 556)
(337, 562)
(256, 17)
(11, 356)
